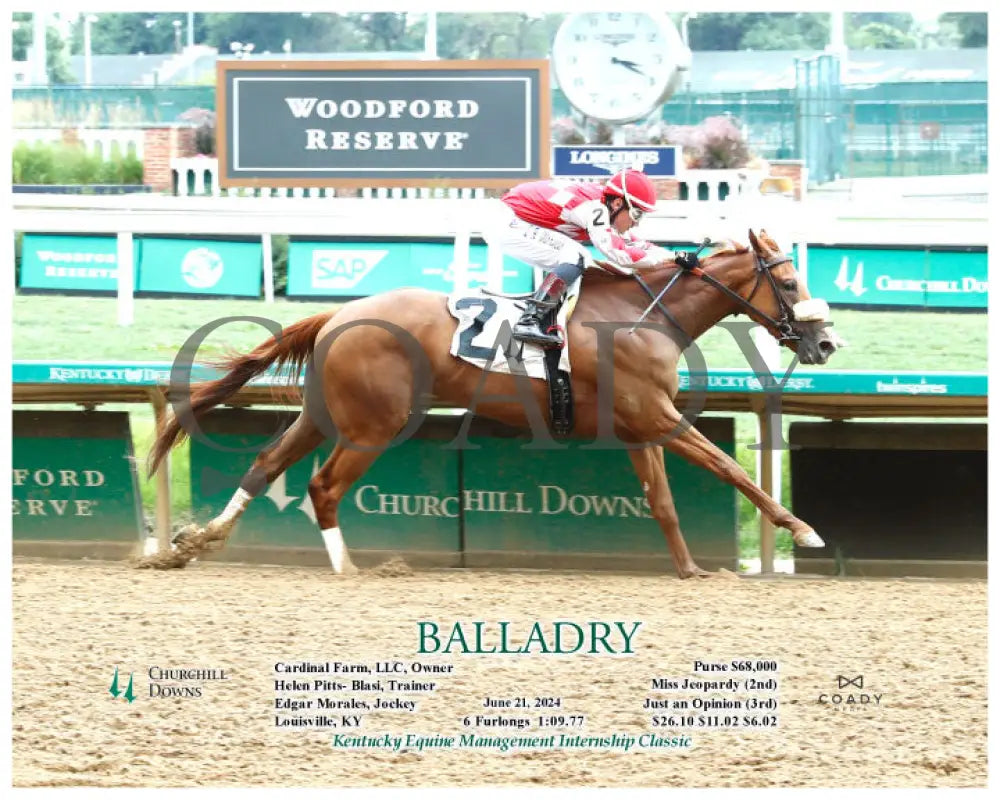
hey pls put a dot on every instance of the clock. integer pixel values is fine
(618, 66)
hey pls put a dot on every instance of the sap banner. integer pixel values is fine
(329, 268)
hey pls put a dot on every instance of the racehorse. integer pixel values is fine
(375, 357)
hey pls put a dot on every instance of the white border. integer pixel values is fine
(232, 125)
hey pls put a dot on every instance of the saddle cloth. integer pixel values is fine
(484, 325)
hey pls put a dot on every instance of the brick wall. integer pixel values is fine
(796, 170)
(160, 145)
(667, 189)
(70, 137)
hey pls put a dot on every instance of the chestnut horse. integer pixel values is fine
(370, 383)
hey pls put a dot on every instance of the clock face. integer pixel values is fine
(615, 66)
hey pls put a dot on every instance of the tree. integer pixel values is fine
(127, 34)
(880, 36)
(720, 31)
(788, 32)
(57, 58)
(971, 28)
(502, 35)
(759, 31)
(56, 61)
(21, 38)
(386, 32)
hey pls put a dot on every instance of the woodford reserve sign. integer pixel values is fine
(382, 123)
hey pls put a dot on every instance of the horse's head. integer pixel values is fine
(801, 321)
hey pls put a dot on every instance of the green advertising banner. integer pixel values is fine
(70, 263)
(408, 482)
(492, 503)
(579, 500)
(74, 477)
(951, 278)
(350, 268)
(167, 265)
(175, 265)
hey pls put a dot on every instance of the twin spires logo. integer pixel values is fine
(343, 269)
(856, 284)
(129, 694)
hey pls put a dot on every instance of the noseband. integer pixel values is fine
(781, 328)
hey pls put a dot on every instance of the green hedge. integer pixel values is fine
(49, 164)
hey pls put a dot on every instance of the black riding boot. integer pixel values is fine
(548, 296)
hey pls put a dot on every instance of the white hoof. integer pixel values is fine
(808, 539)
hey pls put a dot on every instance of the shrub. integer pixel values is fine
(131, 169)
(203, 121)
(716, 143)
(47, 164)
(279, 260)
(73, 164)
(566, 132)
(34, 163)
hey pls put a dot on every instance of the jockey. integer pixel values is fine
(547, 222)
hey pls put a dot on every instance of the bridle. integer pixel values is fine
(780, 328)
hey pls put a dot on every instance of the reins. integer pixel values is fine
(783, 326)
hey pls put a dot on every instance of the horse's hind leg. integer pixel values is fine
(326, 490)
(301, 438)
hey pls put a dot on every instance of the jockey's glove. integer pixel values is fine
(686, 260)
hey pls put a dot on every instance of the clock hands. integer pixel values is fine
(629, 65)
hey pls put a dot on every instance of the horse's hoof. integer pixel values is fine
(808, 539)
(184, 533)
(694, 572)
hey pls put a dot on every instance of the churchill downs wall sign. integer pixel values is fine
(382, 123)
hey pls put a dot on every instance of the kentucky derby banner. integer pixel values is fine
(179, 265)
(382, 123)
(573, 161)
(940, 278)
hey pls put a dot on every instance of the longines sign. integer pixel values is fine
(374, 123)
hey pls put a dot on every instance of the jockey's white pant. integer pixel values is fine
(540, 247)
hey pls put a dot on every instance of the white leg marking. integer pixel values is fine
(334, 542)
(235, 508)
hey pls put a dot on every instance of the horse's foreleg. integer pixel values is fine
(326, 490)
(696, 448)
(648, 464)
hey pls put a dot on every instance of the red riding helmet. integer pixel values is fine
(635, 187)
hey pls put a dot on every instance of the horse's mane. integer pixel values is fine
(726, 247)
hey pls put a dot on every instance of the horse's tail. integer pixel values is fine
(288, 350)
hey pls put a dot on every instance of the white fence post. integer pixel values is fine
(460, 258)
(126, 279)
(265, 249)
(771, 351)
(494, 268)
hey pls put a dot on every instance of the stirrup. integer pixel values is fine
(535, 335)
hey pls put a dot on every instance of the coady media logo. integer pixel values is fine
(846, 698)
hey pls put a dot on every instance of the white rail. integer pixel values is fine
(101, 141)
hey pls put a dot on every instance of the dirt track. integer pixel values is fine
(920, 645)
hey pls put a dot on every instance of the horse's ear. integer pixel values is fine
(754, 243)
